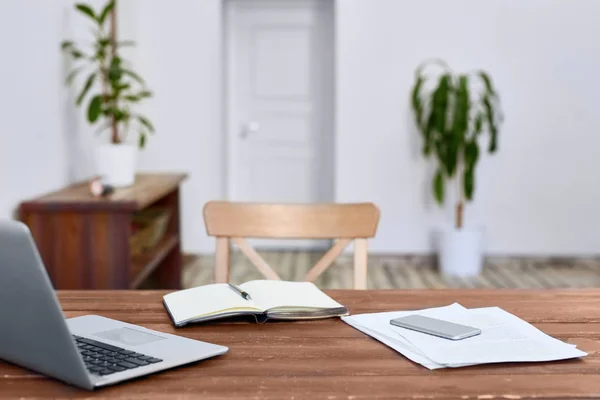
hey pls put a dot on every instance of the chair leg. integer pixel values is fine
(360, 263)
(222, 260)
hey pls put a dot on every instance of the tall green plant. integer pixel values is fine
(119, 89)
(452, 117)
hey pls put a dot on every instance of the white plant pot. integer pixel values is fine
(460, 252)
(116, 164)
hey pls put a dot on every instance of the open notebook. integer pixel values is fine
(270, 299)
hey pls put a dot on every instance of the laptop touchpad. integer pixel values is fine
(129, 337)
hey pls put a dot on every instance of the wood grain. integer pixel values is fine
(360, 263)
(343, 222)
(84, 241)
(327, 359)
(147, 189)
(327, 259)
(396, 271)
(222, 260)
(143, 265)
(291, 221)
(256, 259)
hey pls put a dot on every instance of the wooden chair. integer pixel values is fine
(233, 222)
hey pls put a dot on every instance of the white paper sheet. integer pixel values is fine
(377, 325)
(504, 338)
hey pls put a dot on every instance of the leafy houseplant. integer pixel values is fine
(453, 116)
(110, 90)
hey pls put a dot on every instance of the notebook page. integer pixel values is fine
(206, 300)
(271, 294)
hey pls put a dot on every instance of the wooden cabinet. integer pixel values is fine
(84, 241)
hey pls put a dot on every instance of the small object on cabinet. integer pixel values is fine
(99, 188)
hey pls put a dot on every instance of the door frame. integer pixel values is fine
(229, 112)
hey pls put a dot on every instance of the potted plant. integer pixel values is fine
(109, 91)
(453, 114)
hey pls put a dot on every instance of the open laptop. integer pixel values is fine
(88, 351)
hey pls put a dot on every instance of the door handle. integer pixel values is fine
(249, 127)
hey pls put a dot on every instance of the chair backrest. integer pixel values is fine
(232, 222)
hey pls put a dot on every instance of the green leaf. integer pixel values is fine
(86, 9)
(95, 108)
(66, 44)
(460, 123)
(487, 81)
(100, 54)
(107, 112)
(471, 154)
(103, 42)
(115, 71)
(142, 142)
(133, 75)
(469, 183)
(118, 88)
(449, 153)
(478, 124)
(440, 103)
(144, 121)
(436, 122)
(489, 116)
(137, 97)
(118, 114)
(418, 108)
(107, 9)
(145, 93)
(434, 61)
(489, 102)
(76, 54)
(86, 87)
(416, 99)
(460, 117)
(72, 75)
(438, 186)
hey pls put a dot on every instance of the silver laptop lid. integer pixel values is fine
(34, 333)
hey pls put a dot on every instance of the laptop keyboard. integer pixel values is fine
(105, 359)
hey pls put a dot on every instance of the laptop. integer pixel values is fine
(88, 351)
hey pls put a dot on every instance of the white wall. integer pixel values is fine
(538, 195)
(44, 141)
(33, 141)
(179, 55)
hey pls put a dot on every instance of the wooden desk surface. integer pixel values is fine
(328, 359)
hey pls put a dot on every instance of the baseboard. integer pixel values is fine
(428, 260)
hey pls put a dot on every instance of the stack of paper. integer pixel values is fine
(504, 338)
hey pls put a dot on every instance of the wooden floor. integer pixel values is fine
(418, 272)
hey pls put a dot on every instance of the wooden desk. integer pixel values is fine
(85, 241)
(328, 359)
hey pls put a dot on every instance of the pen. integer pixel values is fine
(242, 293)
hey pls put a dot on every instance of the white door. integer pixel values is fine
(280, 100)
